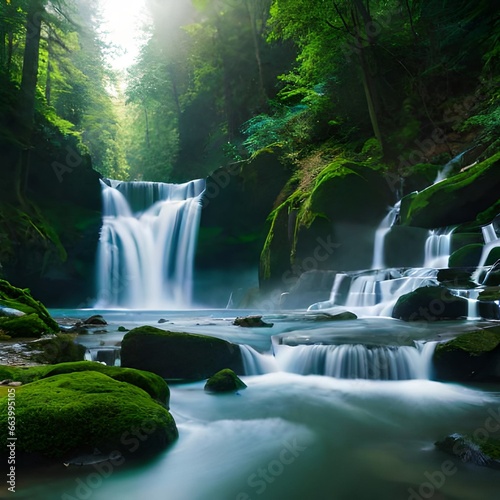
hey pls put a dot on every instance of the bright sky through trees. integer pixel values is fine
(123, 20)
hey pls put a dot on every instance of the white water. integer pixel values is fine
(437, 248)
(444, 172)
(147, 244)
(375, 293)
(356, 361)
(380, 234)
(491, 241)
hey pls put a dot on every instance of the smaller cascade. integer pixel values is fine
(437, 248)
(445, 171)
(357, 361)
(255, 363)
(380, 234)
(491, 241)
(108, 355)
(374, 293)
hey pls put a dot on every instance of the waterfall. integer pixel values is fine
(443, 173)
(374, 293)
(491, 241)
(147, 244)
(382, 230)
(437, 248)
(255, 363)
(356, 361)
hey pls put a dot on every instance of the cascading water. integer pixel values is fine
(445, 171)
(147, 244)
(437, 248)
(491, 241)
(347, 361)
(380, 234)
(374, 293)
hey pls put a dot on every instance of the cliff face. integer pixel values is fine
(236, 204)
(49, 234)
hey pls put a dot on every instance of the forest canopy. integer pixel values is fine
(218, 81)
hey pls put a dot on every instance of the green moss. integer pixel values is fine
(76, 412)
(467, 256)
(474, 343)
(21, 299)
(490, 294)
(60, 348)
(224, 381)
(154, 385)
(177, 355)
(490, 446)
(24, 326)
(457, 199)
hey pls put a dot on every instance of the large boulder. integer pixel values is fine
(430, 303)
(458, 199)
(36, 319)
(178, 356)
(74, 413)
(472, 357)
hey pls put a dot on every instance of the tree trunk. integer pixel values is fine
(30, 68)
(10, 51)
(48, 81)
(148, 141)
(365, 42)
(27, 93)
(253, 23)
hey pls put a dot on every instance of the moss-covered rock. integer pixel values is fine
(458, 199)
(78, 412)
(430, 303)
(328, 225)
(153, 384)
(60, 348)
(224, 381)
(456, 278)
(467, 256)
(178, 356)
(468, 450)
(37, 319)
(472, 356)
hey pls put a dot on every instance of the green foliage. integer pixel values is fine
(22, 300)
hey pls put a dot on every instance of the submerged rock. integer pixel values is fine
(224, 381)
(252, 322)
(176, 355)
(430, 303)
(324, 316)
(97, 319)
(466, 450)
(72, 414)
